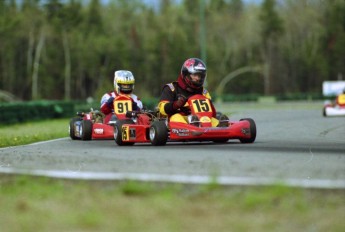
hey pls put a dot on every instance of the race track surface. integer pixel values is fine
(295, 145)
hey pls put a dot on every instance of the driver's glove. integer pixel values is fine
(180, 102)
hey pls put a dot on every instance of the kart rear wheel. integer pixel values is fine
(86, 130)
(118, 132)
(158, 133)
(72, 127)
(252, 131)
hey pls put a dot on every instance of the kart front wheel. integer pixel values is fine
(252, 131)
(72, 127)
(158, 133)
(86, 130)
(118, 132)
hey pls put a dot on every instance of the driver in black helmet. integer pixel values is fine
(173, 100)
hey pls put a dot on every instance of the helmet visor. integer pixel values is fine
(196, 79)
(126, 88)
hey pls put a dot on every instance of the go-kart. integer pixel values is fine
(332, 109)
(159, 131)
(134, 128)
(87, 126)
(96, 125)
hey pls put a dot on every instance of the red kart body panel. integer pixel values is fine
(236, 130)
(135, 133)
(102, 131)
(133, 130)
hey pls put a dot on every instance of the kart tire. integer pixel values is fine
(72, 127)
(86, 130)
(158, 133)
(118, 132)
(252, 128)
(324, 112)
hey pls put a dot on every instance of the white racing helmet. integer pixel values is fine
(124, 81)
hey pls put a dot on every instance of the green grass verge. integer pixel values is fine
(45, 204)
(26, 133)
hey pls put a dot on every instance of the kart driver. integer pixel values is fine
(340, 100)
(123, 84)
(173, 100)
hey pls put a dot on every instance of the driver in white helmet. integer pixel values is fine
(123, 85)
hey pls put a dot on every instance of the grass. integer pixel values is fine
(45, 204)
(26, 133)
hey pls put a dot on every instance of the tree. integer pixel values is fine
(69, 49)
(8, 21)
(334, 41)
(272, 28)
(303, 63)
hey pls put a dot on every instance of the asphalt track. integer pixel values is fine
(295, 145)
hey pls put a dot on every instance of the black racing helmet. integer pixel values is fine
(193, 66)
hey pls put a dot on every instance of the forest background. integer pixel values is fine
(69, 50)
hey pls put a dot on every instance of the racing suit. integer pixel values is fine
(171, 94)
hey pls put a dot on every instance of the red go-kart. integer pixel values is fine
(87, 126)
(159, 131)
(95, 125)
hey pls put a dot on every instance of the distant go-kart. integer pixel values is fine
(333, 109)
(159, 131)
(95, 125)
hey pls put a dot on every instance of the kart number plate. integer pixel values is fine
(128, 133)
(122, 106)
(201, 105)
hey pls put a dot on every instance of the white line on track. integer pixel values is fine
(48, 141)
(30, 144)
(184, 179)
